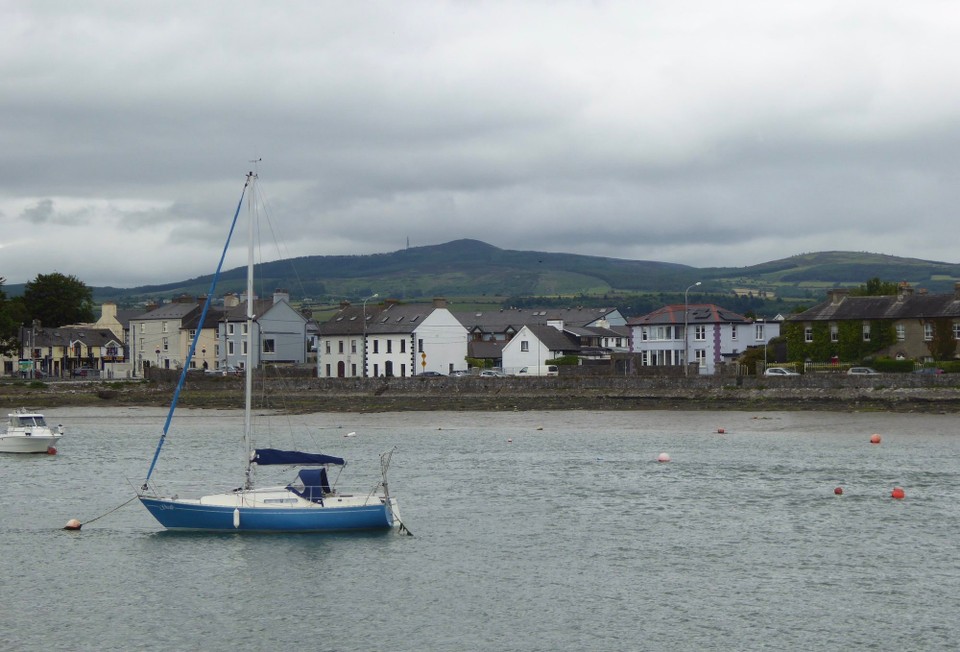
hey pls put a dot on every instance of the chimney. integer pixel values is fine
(956, 290)
(837, 295)
(108, 310)
(904, 290)
(231, 300)
(439, 302)
(281, 295)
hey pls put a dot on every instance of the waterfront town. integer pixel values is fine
(384, 338)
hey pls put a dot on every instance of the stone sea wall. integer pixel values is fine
(895, 392)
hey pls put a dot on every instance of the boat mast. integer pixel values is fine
(248, 361)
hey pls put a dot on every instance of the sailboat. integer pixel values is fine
(308, 503)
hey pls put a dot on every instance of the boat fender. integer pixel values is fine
(236, 518)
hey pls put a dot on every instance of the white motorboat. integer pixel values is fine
(28, 432)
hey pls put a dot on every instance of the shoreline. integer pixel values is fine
(479, 395)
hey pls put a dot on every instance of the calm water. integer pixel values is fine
(533, 531)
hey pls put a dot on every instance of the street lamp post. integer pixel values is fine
(364, 343)
(686, 335)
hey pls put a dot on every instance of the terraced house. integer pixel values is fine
(909, 326)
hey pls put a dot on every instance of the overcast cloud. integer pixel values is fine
(703, 133)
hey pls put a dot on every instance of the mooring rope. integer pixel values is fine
(111, 511)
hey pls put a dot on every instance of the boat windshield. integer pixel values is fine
(31, 420)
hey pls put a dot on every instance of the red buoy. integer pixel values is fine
(897, 493)
(721, 430)
(838, 491)
(51, 450)
(875, 439)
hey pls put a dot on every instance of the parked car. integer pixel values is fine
(492, 373)
(85, 372)
(430, 374)
(460, 372)
(229, 370)
(862, 371)
(779, 371)
(928, 370)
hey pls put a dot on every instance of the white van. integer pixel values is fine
(542, 370)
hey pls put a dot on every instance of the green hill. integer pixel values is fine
(470, 272)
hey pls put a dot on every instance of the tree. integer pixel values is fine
(875, 288)
(57, 300)
(8, 325)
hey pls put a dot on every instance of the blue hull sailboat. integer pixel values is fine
(307, 504)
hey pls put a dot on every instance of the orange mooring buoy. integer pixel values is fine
(898, 493)
(51, 450)
(875, 439)
(73, 524)
(838, 491)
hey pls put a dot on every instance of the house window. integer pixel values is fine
(403, 346)
(620, 342)
(643, 334)
(376, 346)
(245, 327)
(340, 346)
(525, 346)
(230, 350)
(807, 334)
(166, 344)
(143, 327)
(866, 332)
(902, 332)
(353, 347)
(733, 331)
(230, 330)
(270, 346)
(834, 333)
(927, 332)
(328, 370)
(163, 327)
(420, 346)
(700, 334)
(701, 355)
(244, 348)
(389, 346)
(353, 369)
(327, 347)
(956, 330)
(758, 332)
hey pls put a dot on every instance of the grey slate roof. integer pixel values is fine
(168, 311)
(499, 321)
(903, 306)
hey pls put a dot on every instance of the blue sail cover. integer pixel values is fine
(264, 456)
(315, 485)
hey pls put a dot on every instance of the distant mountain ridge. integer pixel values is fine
(472, 268)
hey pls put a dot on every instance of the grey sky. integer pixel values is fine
(704, 133)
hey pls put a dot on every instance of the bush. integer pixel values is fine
(890, 365)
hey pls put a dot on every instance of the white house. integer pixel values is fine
(534, 345)
(391, 339)
(707, 334)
